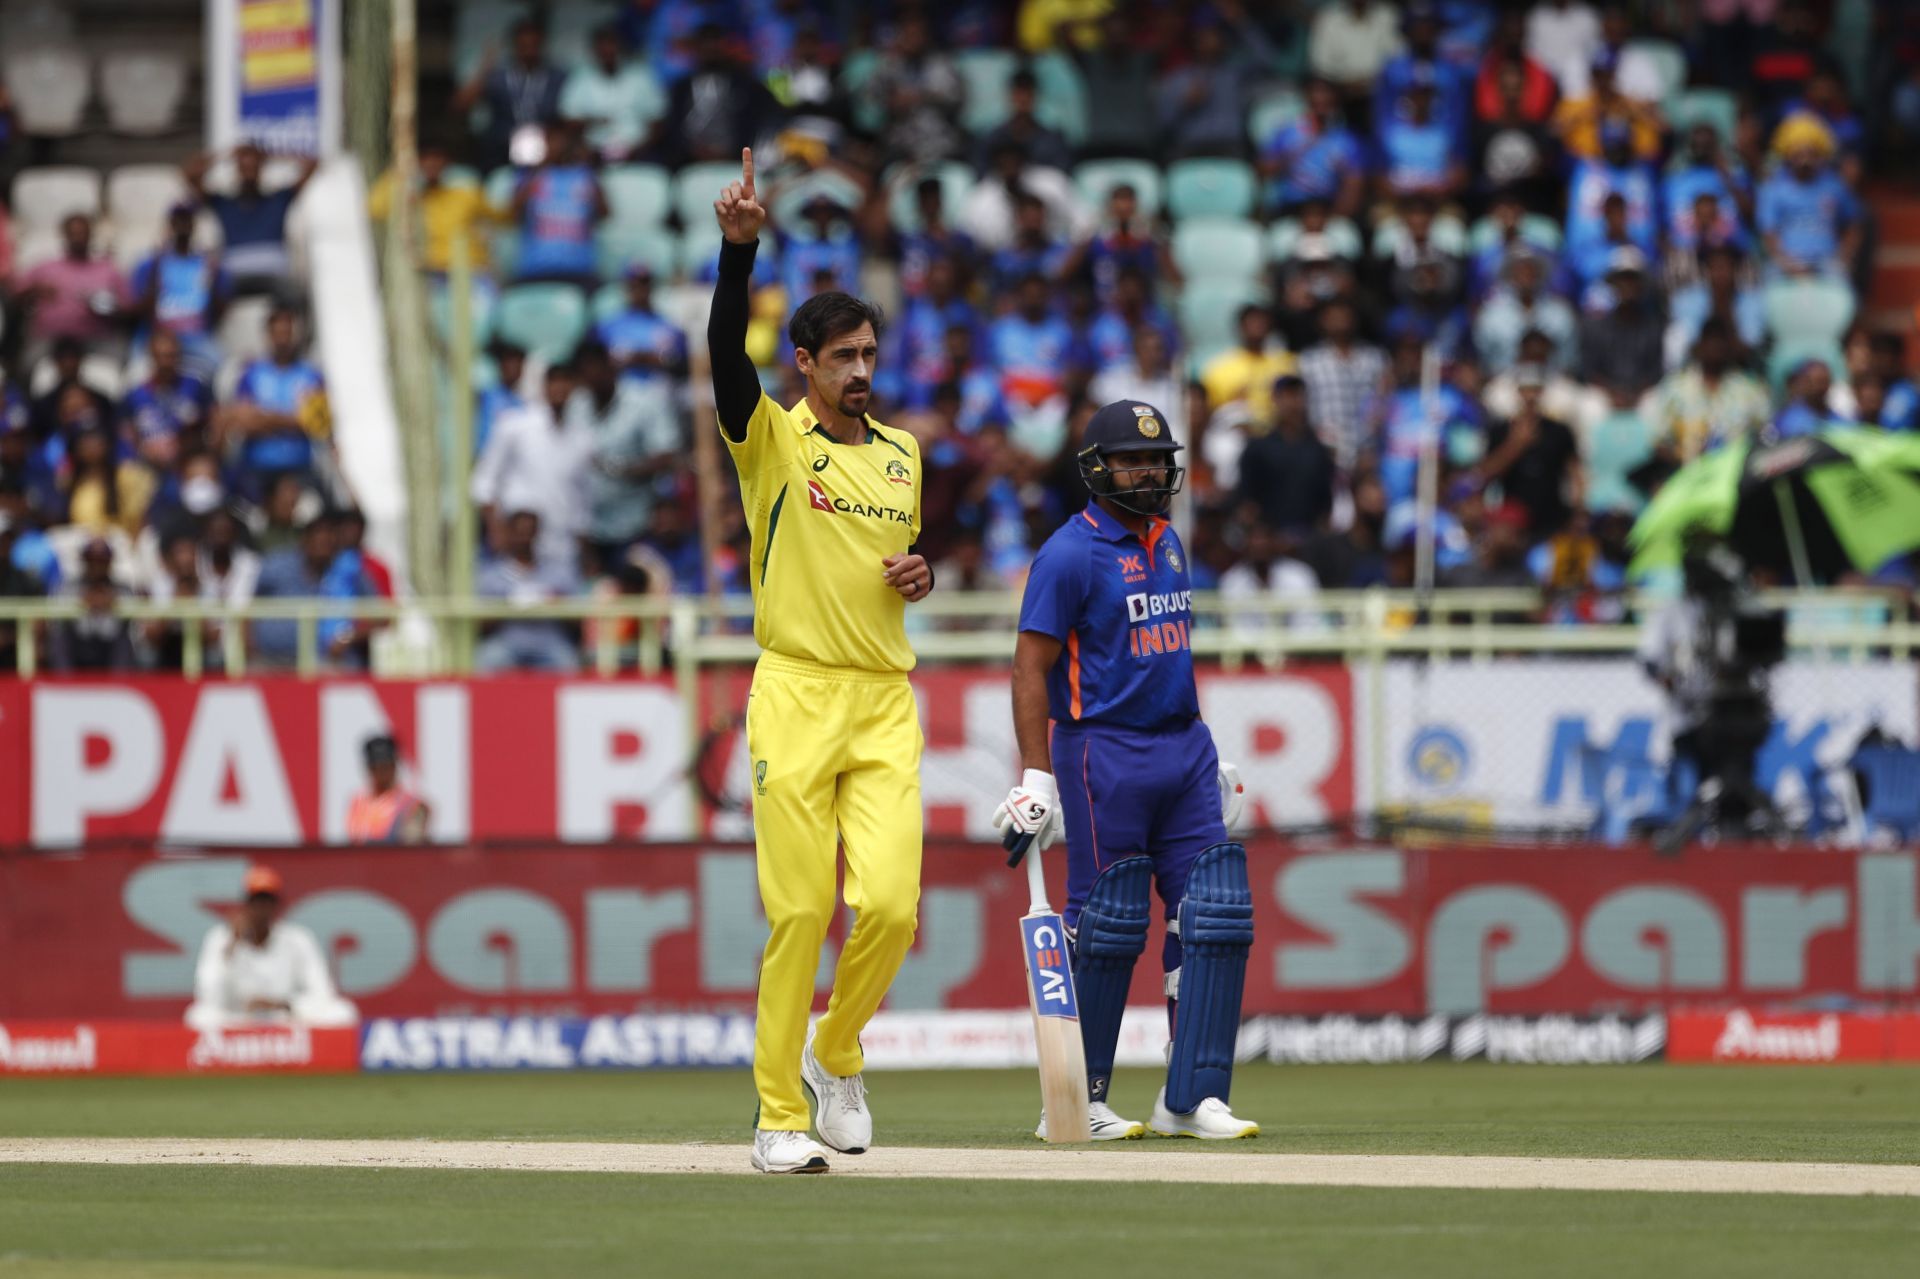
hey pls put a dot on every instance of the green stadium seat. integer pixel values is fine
(1209, 316)
(1449, 236)
(1062, 100)
(1219, 249)
(1810, 312)
(608, 300)
(1617, 446)
(697, 186)
(638, 194)
(985, 72)
(1787, 354)
(1671, 61)
(1097, 177)
(956, 180)
(506, 251)
(700, 246)
(461, 176)
(1273, 112)
(547, 319)
(836, 186)
(1343, 237)
(855, 72)
(1716, 107)
(501, 184)
(1537, 229)
(440, 312)
(1210, 189)
(617, 244)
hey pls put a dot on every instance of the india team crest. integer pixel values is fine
(1149, 424)
(1173, 560)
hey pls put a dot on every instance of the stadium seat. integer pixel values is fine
(1209, 311)
(30, 26)
(1787, 354)
(1343, 237)
(506, 252)
(43, 197)
(49, 87)
(243, 331)
(1273, 112)
(903, 180)
(1716, 107)
(855, 72)
(1210, 189)
(985, 72)
(440, 311)
(793, 196)
(700, 246)
(1062, 100)
(480, 25)
(142, 90)
(139, 195)
(1808, 312)
(501, 184)
(1449, 236)
(637, 194)
(1095, 178)
(1537, 229)
(103, 373)
(549, 319)
(1850, 38)
(1617, 445)
(570, 26)
(619, 244)
(697, 186)
(463, 176)
(1219, 249)
(1671, 61)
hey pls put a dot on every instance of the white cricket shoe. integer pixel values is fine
(1105, 1125)
(778, 1151)
(1210, 1121)
(840, 1112)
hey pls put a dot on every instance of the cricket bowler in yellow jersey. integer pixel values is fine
(833, 503)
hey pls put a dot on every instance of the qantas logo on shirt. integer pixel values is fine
(821, 502)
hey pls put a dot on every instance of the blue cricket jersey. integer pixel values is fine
(1123, 607)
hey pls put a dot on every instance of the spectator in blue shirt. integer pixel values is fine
(1808, 216)
(1420, 28)
(1589, 255)
(1033, 251)
(1408, 417)
(1521, 306)
(1825, 98)
(519, 576)
(920, 356)
(1315, 157)
(253, 221)
(1125, 243)
(974, 384)
(1888, 361)
(1418, 150)
(1705, 168)
(917, 250)
(503, 396)
(1616, 172)
(663, 31)
(181, 290)
(644, 344)
(1428, 308)
(169, 412)
(824, 242)
(1807, 408)
(558, 205)
(1717, 294)
(1110, 337)
(279, 409)
(316, 568)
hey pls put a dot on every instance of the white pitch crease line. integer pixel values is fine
(1477, 1172)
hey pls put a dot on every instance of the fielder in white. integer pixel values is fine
(258, 970)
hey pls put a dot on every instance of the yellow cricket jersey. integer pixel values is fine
(823, 516)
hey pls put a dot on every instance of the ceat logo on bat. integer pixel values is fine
(1047, 966)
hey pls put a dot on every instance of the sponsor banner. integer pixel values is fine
(517, 760)
(582, 932)
(1555, 1040)
(1531, 744)
(273, 75)
(961, 1040)
(163, 1048)
(1743, 1035)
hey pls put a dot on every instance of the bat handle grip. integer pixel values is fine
(1036, 882)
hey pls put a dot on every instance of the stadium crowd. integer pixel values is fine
(1624, 235)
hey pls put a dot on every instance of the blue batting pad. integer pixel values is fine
(1111, 934)
(1216, 931)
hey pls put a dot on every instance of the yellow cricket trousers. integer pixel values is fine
(836, 752)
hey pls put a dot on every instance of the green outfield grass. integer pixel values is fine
(1865, 1114)
(74, 1222)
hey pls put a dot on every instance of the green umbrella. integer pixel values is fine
(1845, 497)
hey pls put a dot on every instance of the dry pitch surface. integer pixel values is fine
(1449, 1172)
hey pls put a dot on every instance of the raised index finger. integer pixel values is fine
(746, 171)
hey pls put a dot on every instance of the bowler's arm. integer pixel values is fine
(1033, 656)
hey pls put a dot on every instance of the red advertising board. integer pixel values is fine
(1743, 1035)
(253, 763)
(583, 931)
(160, 1048)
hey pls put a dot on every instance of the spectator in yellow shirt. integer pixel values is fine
(1047, 24)
(444, 210)
(1247, 371)
(1578, 120)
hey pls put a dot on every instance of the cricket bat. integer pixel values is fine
(1056, 1013)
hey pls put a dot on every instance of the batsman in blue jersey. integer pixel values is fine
(1130, 772)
